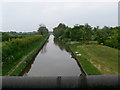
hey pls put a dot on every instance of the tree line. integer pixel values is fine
(7, 36)
(84, 33)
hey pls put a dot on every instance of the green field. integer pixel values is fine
(97, 59)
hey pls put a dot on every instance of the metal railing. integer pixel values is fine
(85, 82)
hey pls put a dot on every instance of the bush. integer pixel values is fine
(11, 49)
(111, 43)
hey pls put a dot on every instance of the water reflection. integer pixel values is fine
(44, 50)
(53, 60)
(61, 45)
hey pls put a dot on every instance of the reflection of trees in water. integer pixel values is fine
(44, 50)
(61, 45)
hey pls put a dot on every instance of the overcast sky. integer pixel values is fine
(26, 16)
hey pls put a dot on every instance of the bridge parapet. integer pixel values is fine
(91, 82)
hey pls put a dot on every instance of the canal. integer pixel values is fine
(53, 60)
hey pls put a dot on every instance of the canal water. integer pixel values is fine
(53, 60)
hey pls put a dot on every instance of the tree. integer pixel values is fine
(59, 30)
(5, 36)
(103, 34)
(42, 29)
(88, 32)
(75, 33)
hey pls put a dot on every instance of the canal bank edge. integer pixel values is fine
(75, 57)
(27, 59)
(33, 58)
(80, 65)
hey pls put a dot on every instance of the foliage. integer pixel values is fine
(84, 33)
(21, 33)
(8, 37)
(42, 30)
(94, 57)
(29, 58)
(13, 50)
(58, 31)
(5, 36)
(113, 39)
(78, 32)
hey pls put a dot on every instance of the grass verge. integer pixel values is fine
(29, 54)
(97, 59)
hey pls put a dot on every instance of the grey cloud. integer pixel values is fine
(28, 16)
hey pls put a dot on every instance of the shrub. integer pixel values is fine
(11, 49)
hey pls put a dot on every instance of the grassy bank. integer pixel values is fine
(0, 54)
(84, 39)
(26, 55)
(97, 59)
